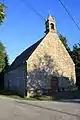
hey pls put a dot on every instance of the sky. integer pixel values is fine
(22, 27)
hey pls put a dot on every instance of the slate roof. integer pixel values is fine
(24, 55)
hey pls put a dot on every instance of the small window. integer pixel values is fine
(52, 26)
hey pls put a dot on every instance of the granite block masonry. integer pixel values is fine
(46, 65)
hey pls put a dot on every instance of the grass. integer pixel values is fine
(11, 94)
(44, 98)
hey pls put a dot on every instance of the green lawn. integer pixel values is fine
(11, 94)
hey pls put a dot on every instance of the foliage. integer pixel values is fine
(76, 58)
(2, 13)
(64, 41)
(75, 54)
(3, 58)
(3, 64)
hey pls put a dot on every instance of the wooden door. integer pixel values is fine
(54, 84)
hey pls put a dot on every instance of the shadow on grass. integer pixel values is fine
(10, 94)
(7, 92)
(71, 97)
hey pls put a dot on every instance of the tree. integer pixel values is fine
(3, 54)
(76, 58)
(3, 63)
(3, 58)
(64, 41)
(2, 13)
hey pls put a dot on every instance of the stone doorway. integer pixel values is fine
(54, 84)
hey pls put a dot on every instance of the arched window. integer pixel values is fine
(52, 26)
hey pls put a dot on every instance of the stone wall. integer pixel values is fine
(50, 59)
(15, 80)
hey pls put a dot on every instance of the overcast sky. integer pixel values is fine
(23, 27)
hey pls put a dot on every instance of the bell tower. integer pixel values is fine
(50, 24)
